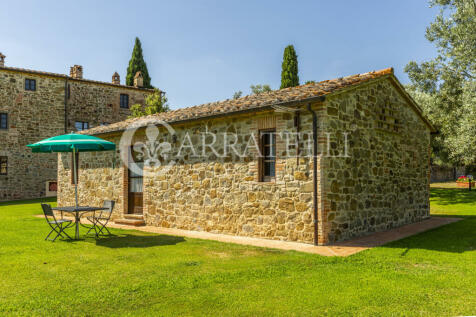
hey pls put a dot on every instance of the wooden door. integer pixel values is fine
(136, 184)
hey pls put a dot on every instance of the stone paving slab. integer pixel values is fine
(345, 248)
(373, 240)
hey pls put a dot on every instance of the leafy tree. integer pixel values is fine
(310, 82)
(428, 102)
(259, 89)
(445, 86)
(137, 63)
(154, 103)
(237, 94)
(289, 72)
(137, 111)
(463, 141)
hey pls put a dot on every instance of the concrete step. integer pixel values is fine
(130, 222)
(134, 216)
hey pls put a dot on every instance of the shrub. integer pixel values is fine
(464, 179)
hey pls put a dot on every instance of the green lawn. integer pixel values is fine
(446, 199)
(135, 273)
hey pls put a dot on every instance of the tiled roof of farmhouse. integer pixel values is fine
(250, 103)
(39, 72)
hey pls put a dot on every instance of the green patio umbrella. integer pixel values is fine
(74, 143)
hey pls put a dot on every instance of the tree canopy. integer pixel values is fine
(289, 71)
(137, 63)
(237, 94)
(154, 103)
(445, 86)
(259, 89)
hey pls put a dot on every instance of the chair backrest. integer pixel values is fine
(47, 211)
(109, 204)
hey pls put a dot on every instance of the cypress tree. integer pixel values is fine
(289, 72)
(136, 64)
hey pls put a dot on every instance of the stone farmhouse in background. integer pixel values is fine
(35, 105)
(375, 180)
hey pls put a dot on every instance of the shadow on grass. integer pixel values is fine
(457, 237)
(449, 236)
(137, 241)
(453, 196)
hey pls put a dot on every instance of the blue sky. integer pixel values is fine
(203, 51)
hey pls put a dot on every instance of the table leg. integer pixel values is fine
(77, 225)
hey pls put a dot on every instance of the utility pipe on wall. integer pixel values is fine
(66, 106)
(314, 167)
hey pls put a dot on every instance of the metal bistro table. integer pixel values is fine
(78, 211)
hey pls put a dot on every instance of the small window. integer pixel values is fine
(3, 121)
(69, 91)
(81, 125)
(3, 165)
(30, 84)
(124, 102)
(268, 155)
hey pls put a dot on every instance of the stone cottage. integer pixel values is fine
(35, 105)
(317, 163)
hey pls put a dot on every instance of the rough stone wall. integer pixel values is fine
(32, 116)
(220, 195)
(384, 183)
(36, 115)
(99, 178)
(99, 104)
(225, 196)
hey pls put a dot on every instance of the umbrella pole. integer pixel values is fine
(75, 168)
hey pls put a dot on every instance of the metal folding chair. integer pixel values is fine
(57, 225)
(100, 221)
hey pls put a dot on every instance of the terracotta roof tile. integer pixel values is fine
(251, 102)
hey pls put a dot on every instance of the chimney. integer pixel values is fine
(138, 80)
(76, 72)
(116, 79)
(2, 60)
